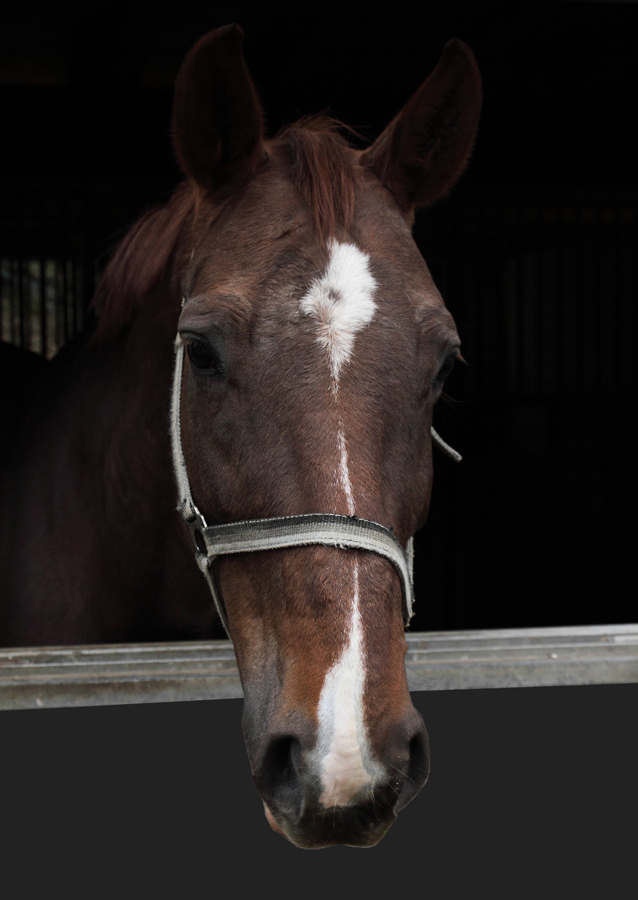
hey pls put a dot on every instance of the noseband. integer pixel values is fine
(345, 532)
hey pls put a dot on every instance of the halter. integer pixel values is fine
(329, 529)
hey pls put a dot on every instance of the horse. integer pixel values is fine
(271, 337)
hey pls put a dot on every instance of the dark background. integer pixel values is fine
(535, 251)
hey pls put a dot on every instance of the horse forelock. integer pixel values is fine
(324, 171)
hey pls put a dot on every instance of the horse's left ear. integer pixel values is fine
(217, 117)
(425, 148)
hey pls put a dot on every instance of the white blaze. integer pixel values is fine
(342, 303)
(342, 750)
(344, 475)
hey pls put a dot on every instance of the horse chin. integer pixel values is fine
(272, 821)
(329, 831)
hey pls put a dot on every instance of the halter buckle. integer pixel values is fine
(197, 527)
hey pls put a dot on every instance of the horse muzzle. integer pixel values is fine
(288, 776)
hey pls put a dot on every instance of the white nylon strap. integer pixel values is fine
(179, 463)
(346, 532)
(453, 454)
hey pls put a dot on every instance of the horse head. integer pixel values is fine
(315, 348)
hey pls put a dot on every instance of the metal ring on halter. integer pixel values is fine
(328, 529)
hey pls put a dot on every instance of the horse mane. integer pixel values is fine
(139, 262)
(323, 172)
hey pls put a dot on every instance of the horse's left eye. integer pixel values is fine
(202, 356)
(446, 370)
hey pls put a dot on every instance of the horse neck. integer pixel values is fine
(99, 432)
(133, 392)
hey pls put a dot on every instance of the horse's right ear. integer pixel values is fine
(217, 117)
(425, 148)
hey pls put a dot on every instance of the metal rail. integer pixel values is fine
(47, 677)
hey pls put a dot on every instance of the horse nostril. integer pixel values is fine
(419, 757)
(418, 767)
(277, 779)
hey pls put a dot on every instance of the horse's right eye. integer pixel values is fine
(202, 356)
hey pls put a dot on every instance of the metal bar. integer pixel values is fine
(22, 307)
(48, 677)
(42, 285)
